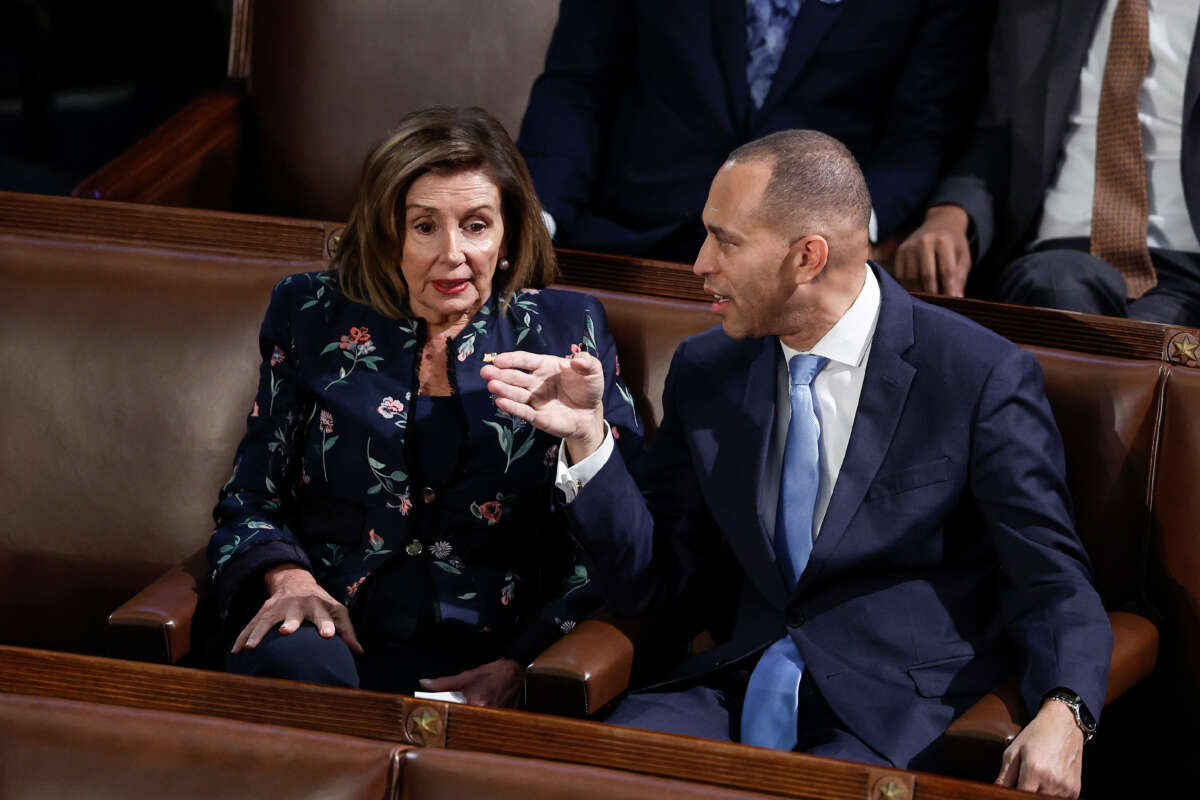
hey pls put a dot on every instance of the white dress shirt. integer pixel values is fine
(1067, 206)
(836, 390)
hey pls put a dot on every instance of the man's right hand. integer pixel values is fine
(936, 257)
(561, 396)
(295, 596)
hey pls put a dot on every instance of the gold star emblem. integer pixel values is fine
(1185, 349)
(424, 726)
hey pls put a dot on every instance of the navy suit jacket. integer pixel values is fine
(947, 561)
(1039, 49)
(642, 100)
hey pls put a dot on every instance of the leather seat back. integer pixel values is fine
(1177, 531)
(328, 80)
(647, 331)
(63, 748)
(129, 374)
(1108, 411)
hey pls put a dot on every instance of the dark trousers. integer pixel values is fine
(712, 710)
(1061, 273)
(384, 667)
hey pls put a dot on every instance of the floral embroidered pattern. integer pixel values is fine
(524, 309)
(386, 481)
(375, 544)
(276, 356)
(577, 580)
(335, 555)
(391, 408)
(441, 549)
(356, 346)
(326, 283)
(408, 327)
(477, 328)
(507, 434)
(589, 336)
(508, 592)
(493, 510)
(325, 422)
(551, 456)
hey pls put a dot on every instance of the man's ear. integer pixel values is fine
(807, 257)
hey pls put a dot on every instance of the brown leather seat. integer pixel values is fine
(314, 85)
(446, 773)
(63, 748)
(1177, 537)
(129, 373)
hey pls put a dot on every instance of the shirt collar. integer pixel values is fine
(849, 339)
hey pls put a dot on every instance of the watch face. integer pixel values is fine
(1082, 715)
(1085, 716)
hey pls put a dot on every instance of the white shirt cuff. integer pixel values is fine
(552, 226)
(872, 228)
(572, 478)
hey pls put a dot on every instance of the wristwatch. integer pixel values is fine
(1083, 717)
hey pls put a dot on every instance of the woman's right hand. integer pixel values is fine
(295, 596)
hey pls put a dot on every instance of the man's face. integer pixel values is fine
(743, 259)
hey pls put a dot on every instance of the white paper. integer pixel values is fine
(446, 697)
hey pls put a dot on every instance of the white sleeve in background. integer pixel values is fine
(552, 226)
(572, 478)
(872, 228)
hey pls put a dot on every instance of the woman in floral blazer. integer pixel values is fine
(385, 522)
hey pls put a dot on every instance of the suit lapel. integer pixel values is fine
(737, 472)
(885, 388)
(809, 28)
(1073, 34)
(729, 39)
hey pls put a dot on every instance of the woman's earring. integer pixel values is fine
(504, 263)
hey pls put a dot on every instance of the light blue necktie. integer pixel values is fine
(773, 694)
(768, 23)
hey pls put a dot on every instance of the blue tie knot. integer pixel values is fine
(804, 367)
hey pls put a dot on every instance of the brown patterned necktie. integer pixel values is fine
(1119, 205)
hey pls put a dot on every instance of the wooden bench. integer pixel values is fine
(132, 330)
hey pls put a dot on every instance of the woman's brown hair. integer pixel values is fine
(446, 140)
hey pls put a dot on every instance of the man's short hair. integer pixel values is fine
(816, 184)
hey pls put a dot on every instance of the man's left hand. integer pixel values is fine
(1047, 755)
(495, 683)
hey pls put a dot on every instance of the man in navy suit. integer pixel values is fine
(901, 520)
(641, 100)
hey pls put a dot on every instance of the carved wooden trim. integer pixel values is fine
(467, 728)
(160, 164)
(307, 240)
(189, 230)
(1041, 327)
(241, 40)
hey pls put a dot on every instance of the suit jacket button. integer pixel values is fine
(429, 494)
(795, 618)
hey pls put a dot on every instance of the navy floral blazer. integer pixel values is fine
(322, 477)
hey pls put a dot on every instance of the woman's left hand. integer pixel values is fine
(495, 683)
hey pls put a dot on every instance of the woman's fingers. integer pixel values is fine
(287, 614)
(345, 628)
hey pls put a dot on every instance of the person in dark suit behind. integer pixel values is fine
(641, 101)
(901, 519)
(1118, 235)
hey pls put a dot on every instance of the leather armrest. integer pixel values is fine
(581, 672)
(976, 740)
(156, 624)
(189, 160)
